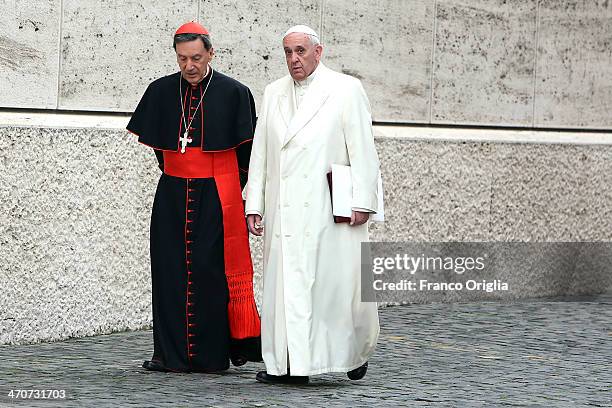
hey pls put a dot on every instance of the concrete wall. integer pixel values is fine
(524, 63)
(75, 208)
(75, 200)
(74, 220)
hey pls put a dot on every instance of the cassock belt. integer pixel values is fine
(223, 167)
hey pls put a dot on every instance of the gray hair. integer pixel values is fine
(180, 38)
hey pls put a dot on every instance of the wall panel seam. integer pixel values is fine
(433, 56)
(59, 54)
(321, 12)
(535, 63)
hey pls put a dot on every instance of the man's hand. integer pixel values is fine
(359, 218)
(254, 224)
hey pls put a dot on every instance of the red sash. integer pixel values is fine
(223, 167)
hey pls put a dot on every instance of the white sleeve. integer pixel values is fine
(256, 184)
(357, 124)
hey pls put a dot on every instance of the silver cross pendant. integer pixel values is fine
(184, 140)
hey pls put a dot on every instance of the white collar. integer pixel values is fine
(307, 81)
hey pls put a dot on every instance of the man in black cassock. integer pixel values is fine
(200, 124)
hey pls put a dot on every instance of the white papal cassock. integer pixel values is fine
(312, 312)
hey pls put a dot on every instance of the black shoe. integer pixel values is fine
(358, 373)
(264, 377)
(153, 365)
(238, 361)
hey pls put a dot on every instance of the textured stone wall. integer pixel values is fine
(75, 208)
(74, 215)
(75, 203)
(445, 191)
(524, 63)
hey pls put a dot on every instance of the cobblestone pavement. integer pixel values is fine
(540, 353)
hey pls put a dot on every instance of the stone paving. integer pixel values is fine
(538, 353)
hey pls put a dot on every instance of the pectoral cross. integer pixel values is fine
(184, 140)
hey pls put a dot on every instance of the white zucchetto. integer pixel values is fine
(301, 29)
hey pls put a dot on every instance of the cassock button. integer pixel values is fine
(306, 204)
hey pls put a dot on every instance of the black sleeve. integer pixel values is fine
(246, 126)
(243, 154)
(160, 159)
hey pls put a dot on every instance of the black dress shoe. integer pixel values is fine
(238, 361)
(358, 373)
(264, 377)
(153, 365)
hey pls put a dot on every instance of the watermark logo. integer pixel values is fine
(412, 264)
(402, 272)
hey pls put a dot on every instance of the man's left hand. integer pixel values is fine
(359, 218)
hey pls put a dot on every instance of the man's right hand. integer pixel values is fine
(254, 224)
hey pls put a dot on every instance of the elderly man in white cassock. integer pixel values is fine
(313, 319)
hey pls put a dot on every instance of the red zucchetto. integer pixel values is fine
(191, 28)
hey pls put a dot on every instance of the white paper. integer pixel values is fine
(342, 193)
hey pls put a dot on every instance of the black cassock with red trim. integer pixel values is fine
(203, 313)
